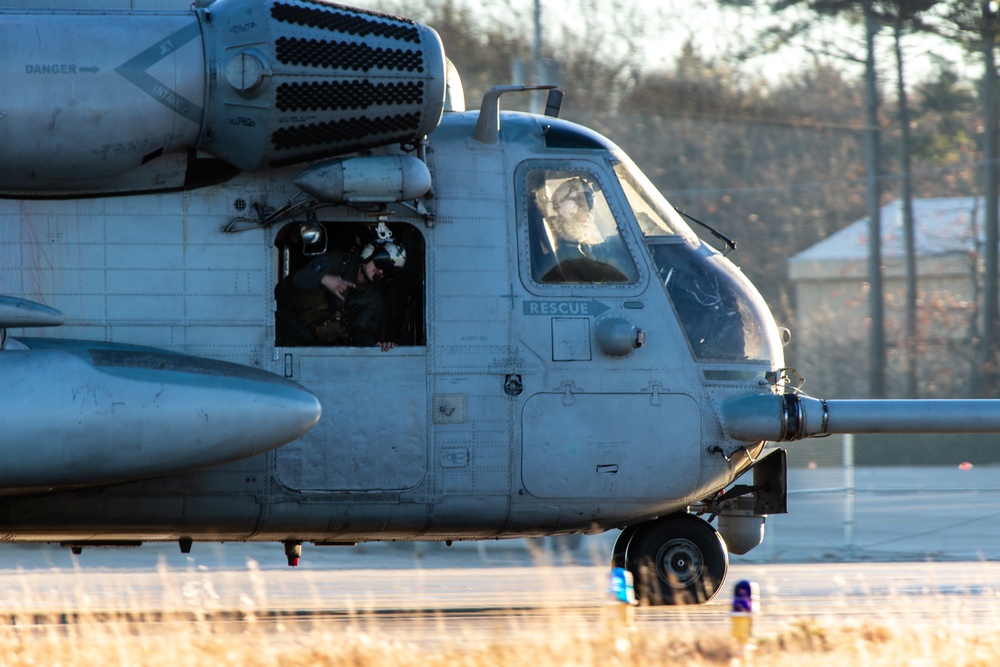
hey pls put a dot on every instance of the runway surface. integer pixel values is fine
(897, 521)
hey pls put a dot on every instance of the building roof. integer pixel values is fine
(944, 225)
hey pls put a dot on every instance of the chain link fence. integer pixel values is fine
(888, 498)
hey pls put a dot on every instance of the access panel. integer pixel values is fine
(611, 445)
(373, 432)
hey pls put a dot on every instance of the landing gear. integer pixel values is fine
(679, 559)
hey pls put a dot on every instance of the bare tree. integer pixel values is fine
(976, 23)
(866, 9)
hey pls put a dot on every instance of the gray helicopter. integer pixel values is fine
(264, 278)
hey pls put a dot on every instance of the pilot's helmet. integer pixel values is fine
(576, 191)
(389, 256)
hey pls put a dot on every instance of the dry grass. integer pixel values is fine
(222, 620)
(179, 643)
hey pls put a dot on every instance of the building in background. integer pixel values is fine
(831, 295)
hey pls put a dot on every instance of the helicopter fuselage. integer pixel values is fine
(513, 406)
(185, 194)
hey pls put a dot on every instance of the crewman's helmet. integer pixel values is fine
(578, 191)
(389, 256)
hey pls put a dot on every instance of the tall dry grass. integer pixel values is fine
(205, 619)
(158, 642)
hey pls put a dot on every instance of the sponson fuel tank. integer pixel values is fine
(84, 413)
(256, 83)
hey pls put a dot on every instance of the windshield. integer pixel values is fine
(723, 315)
(655, 215)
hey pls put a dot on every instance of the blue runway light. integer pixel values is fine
(622, 587)
(746, 604)
(746, 597)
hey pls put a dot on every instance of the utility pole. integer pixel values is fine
(909, 225)
(537, 67)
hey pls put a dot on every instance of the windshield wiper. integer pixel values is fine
(730, 244)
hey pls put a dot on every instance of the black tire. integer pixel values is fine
(679, 559)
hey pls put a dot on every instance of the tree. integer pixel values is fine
(866, 9)
(876, 351)
(904, 15)
(977, 24)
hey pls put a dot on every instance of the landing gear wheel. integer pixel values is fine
(621, 545)
(679, 559)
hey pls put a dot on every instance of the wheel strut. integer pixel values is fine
(293, 551)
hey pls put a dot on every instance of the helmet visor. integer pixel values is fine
(389, 257)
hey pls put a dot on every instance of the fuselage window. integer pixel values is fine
(574, 238)
(349, 284)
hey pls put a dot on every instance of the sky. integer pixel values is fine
(657, 27)
(661, 27)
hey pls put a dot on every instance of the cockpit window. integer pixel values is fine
(574, 237)
(724, 317)
(656, 217)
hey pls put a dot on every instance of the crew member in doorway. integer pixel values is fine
(336, 299)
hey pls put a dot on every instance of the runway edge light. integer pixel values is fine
(621, 597)
(622, 588)
(746, 604)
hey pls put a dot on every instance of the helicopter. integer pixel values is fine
(568, 355)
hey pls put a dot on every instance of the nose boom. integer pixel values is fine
(782, 417)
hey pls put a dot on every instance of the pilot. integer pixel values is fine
(572, 204)
(337, 299)
(580, 252)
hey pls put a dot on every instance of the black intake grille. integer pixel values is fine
(344, 131)
(345, 20)
(323, 95)
(346, 55)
